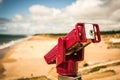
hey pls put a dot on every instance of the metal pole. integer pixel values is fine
(61, 77)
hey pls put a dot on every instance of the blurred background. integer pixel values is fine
(30, 28)
(38, 16)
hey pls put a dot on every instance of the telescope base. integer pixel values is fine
(61, 77)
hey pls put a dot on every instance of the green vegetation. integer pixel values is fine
(63, 34)
(109, 32)
(85, 65)
(110, 71)
(118, 63)
(35, 78)
(97, 68)
(58, 34)
(51, 35)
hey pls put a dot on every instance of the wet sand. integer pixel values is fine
(3, 51)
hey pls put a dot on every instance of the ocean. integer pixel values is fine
(6, 41)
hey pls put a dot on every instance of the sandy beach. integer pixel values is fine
(26, 60)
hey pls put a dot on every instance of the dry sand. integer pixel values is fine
(26, 59)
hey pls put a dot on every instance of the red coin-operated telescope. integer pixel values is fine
(70, 50)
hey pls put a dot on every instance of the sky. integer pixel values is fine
(56, 16)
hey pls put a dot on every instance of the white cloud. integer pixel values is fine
(39, 10)
(50, 20)
(83, 8)
(18, 17)
(115, 15)
(42, 13)
(92, 8)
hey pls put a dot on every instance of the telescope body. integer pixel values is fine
(70, 48)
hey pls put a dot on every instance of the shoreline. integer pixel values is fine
(6, 47)
(4, 50)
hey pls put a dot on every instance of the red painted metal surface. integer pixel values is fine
(67, 64)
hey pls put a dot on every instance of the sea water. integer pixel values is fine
(6, 41)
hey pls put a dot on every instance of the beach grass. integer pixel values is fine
(97, 68)
(35, 78)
